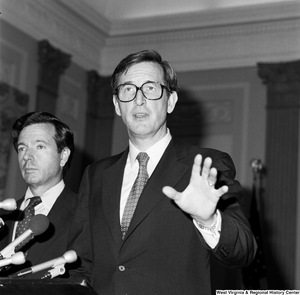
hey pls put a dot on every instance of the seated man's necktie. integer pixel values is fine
(23, 224)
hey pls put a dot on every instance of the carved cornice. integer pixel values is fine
(53, 59)
(99, 96)
(96, 20)
(214, 18)
(204, 33)
(213, 47)
(53, 62)
(216, 39)
(279, 73)
(283, 84)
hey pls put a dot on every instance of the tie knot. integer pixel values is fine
(34, 201)
(143, 158)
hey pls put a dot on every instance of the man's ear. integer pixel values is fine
(172, 100)
(117, 107)
(64, 156)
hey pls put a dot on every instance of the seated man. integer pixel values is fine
(45, 147)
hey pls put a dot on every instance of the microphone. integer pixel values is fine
(18, 258)
(2, 224)
(69, 257)
(9, 204)
(37, 225)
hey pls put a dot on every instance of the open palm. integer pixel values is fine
(200, 197)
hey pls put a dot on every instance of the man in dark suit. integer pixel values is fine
(187, 211)
(45, 148)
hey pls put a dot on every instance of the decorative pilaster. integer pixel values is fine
(99, 117)
(53, 62)
(13, 104)
(282, 164)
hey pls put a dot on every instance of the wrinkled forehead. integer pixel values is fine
(142, 72)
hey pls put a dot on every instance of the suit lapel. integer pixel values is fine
(111, 192)
(59, 216)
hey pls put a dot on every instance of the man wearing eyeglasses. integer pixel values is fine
(151, 217)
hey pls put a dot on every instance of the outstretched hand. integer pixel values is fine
(200, 197)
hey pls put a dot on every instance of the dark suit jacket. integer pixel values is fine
(50, 244)
(163, 252)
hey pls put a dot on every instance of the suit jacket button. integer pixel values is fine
(121, 268)
(224, 252)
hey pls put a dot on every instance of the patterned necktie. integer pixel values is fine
(23, 224)
(135, 192)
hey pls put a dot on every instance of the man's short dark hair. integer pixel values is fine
(170, 75)
(63, 135)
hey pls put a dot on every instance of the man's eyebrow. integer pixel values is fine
(131, 82)
(37, 141)
(20, 143)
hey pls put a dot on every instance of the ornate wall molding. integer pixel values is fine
(213, 18)
(56, 23)
(232, 37)
(52, 64)
(213, 47)
(280, 73)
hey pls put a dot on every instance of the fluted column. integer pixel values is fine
(282, 163)
(99, 118)
(52, 64)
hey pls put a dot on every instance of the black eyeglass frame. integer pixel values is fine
(140, 88)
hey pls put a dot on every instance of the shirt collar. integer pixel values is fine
(48, 195)
(154, 152)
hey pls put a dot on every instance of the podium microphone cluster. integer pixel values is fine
(37, 225)
(69, 257)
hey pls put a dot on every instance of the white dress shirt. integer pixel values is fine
(48, 200)
(155, 153)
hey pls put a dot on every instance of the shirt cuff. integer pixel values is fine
(211, 235)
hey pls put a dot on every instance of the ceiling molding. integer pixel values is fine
(217, 17)
(215, 39)
(212, 47)
(91, 16)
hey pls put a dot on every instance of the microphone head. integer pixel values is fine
(38, 224)
(70, 256)
(18, 258)
(9, 204)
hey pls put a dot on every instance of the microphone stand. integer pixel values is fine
(54, 272)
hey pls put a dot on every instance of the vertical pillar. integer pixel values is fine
(282, 164)
(99, 118)
(52, 64)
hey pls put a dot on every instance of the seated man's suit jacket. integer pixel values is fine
(163, 252)
(48, 245)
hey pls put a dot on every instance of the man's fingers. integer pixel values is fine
(170, 192)
(212, 178)
(223, 190)
(206, 167)
(197, 165)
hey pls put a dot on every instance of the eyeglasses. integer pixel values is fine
(151, 90)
